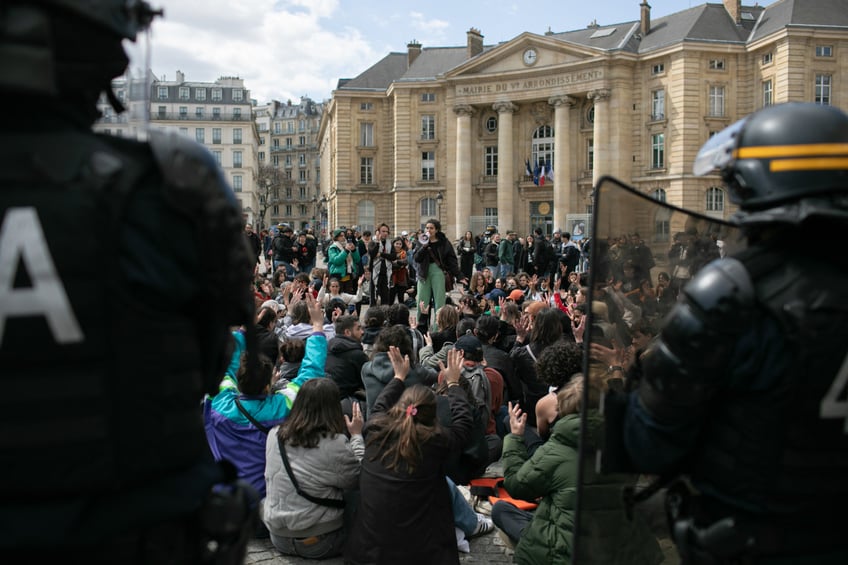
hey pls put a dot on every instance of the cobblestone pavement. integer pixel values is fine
(489, 548)
(485, 549)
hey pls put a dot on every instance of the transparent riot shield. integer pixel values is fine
(643, 252)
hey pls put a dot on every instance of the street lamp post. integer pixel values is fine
(439, 199)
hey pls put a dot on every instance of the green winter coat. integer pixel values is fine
(552, 475)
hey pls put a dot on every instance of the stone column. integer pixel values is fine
(462, 190)
(563, 198)
(506, 166)
(601, 134)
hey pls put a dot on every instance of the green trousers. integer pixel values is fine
(433, 285)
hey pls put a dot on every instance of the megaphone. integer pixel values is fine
(424, 238)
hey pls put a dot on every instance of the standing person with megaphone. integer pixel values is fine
(435, 264)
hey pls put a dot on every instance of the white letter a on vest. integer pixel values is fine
(21, 236)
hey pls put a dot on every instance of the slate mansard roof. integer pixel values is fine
(708, 22)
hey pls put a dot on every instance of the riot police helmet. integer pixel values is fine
(65, 47)
(780, 157)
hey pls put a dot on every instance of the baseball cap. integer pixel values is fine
(470, 346)
(517, 295)
(404, 233)
(496, 294)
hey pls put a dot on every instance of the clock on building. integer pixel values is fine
(530, 57)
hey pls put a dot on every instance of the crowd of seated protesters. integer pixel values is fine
(372, 408)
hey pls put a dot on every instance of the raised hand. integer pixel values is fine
(454, 369)
(400, 363)
(354, 424)
(517, 419)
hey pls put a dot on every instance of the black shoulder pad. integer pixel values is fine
(693, 350)
(184, 163)
(722, 290)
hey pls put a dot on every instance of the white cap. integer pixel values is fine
(404, 233)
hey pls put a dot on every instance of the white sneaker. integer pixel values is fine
(484, 526)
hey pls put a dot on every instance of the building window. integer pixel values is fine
(768, 58)
(198, 112)
(163, 93)
(216, 113)
(184, 131)
(237, 162)
(366, 134)
(768, 93)
(491, 124)
(278, 128)
(428, 126)
(716, 64)
(590, 115)
(237, 183)
(716, 101)
(261, 156)
(216, 136)
(822, 93)
(199, 135)
(288, 210)
(658, 151)
(217, 95)
(366, 170)
(590, 154)
(162, 112)
(184, 93)
(236, 113)
(237, 135)
(428, 97)
(662, 217)
(715, 199)
(301, 125)
(289, 127)
(365, 106)
(365, 215)
(301, 159)
(542, 148)
(275, 210)
(428, 208)
(183, 112)
(200, 94)
(658, 104)
(658, 69)
(217, 155)
(302, 192)
(428, 165)
(238, 95)
(275, 161)
(490, 165)
(301, 140)
(824, 50)
(301, 176)
(490, 215)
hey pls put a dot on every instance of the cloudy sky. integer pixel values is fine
(284, 49)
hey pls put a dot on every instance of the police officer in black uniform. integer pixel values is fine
(744, 392)
(108, 338)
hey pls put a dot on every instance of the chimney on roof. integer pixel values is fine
(475, 43)
(413, 50)
(645, 21)
(180, 77)
(734, 8)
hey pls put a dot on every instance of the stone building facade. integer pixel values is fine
(450, 132)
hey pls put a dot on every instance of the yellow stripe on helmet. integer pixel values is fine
(778, 151)
(818, 164)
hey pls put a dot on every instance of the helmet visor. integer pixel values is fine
(717, 152)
